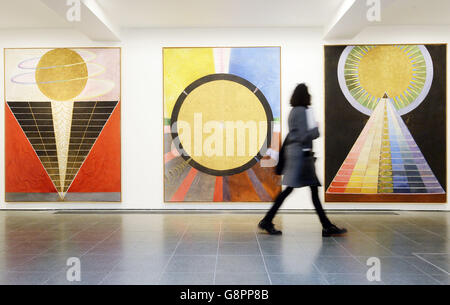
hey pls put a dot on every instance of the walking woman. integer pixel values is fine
(297, 162)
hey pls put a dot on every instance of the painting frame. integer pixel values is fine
(414, 198)
(166, 200)
(117, 199)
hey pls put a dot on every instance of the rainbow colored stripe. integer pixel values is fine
(385, 159)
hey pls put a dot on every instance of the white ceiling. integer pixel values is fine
(179, 13)
(219, 13)
(21, 14)
(24, 14)
(417, 12)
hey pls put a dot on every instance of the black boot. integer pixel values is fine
(333, 231)
(269, 227)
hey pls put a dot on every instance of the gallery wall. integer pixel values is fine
(142, 99)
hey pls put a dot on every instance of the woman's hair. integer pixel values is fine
(301, 96)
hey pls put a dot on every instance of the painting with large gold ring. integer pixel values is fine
(221, 124)
(62, 125)
(385, 123)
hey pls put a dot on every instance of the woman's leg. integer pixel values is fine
(326, 223)
(276, 205)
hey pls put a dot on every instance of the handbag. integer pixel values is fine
(281, 157)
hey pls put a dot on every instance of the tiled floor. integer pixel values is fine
(222, 248)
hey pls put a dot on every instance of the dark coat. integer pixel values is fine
(298, 167)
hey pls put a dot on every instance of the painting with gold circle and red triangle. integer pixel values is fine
(62, 125)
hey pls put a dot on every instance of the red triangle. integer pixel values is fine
(101, 171)
(24, 172)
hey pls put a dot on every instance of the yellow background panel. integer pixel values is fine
(182, 66)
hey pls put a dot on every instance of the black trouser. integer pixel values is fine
(315, 199)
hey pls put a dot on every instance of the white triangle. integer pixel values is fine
(62, 123)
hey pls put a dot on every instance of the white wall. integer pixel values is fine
(142, 155)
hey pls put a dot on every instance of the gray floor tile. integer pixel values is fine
(285, 238)
(235, 236)
(278, 248)
(367, 249)
(402, 249)
(136, 248)
(201, 236)
(146, 264)
(325, 249)
(239, 248)
(404, 228)
(369, 228)
(424, 266)
(9, 261)
(157, 236)
(239, 227)
(443, 279)
(24, 278)
(394, 265)
(70, 248)
(231, 263)
(35, 248)
(98, 263)
(192, 264)
(204, 227)
(43, 263)
(131, 278)
(433, 247)
(408, 279)
(350, 279)
(242, 279)
(91, 236)
(290, 264)
(43, 236)
(308, 238)
(112, 248)
(197, 248)
(339, 265)
(187, 278)
(441, 261)
(296, 279)
(86, 278)
(425, 237)
(149, 248)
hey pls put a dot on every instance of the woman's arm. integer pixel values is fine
(301, 133)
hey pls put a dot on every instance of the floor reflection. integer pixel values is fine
(226, 248)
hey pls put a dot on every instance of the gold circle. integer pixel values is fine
(385, 69)
(61, 74)
(228, 113)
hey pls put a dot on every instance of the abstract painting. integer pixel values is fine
(385, 114)
(221, 124)
(62, 125)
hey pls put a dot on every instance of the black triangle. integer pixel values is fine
(88, 120)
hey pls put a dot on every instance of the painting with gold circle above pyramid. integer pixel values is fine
(221, 124)
(385, 131)
(62, 125)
